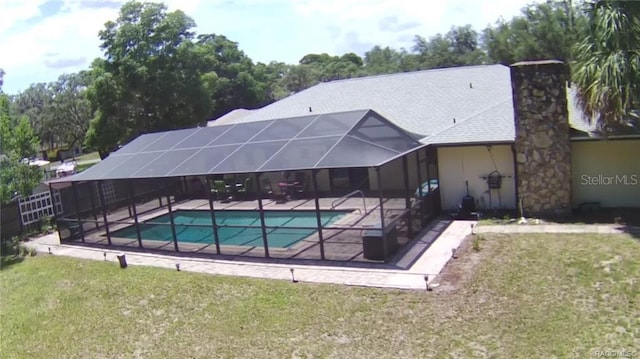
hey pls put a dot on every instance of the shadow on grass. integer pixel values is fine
(7, 261)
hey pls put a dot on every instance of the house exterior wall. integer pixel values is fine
(470, 163)
(607, 172)
(542, 146)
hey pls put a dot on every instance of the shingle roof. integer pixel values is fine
(422, 102)
(492, 125)
(230, 117)
(425, 103)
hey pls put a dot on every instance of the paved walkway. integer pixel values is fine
(430, 263)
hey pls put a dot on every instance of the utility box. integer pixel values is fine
(122, 259)
(373, 242)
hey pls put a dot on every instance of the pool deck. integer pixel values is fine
(433, 244)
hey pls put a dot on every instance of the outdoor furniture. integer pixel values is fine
(278, 197)
(286, 188)
(243, 189)
(221, 191)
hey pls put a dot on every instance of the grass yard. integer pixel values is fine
(88, 157)
(519, 296)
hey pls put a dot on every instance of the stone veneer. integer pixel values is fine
(542, 146)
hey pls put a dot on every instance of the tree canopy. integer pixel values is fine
(149, 79)
(606, 68)
(156, 74)
(543, 31)
(17, 142)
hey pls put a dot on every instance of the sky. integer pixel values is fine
(42, 39)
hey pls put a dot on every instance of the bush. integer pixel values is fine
(10, 247)
(14, 248)
(476, 243)
(47, 224)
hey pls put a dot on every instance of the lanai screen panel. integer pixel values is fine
(202, 137)
(140, 143)
(352, 152)
(346, 139)
(375, 129)
(170, 140)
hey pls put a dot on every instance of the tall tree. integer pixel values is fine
(149, 80)
(606, 68)
(71, 109)
(17, 142)
(273, 75)
(386, 60)
(458, 47)
(301, 76)
(1, 79)
(543, 31)
(230, 75)
(36, 103)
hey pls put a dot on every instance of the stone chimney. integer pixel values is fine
(542, 146)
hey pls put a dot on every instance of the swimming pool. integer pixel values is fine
(194, 226)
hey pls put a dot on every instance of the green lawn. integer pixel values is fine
(522, 296)
(88, 157)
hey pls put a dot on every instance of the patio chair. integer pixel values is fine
(221, 190)
(245, 189)
(267, 188)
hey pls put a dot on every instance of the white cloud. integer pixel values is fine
(15, 11)
(265, 29)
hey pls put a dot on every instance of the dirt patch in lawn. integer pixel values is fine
(460, 270)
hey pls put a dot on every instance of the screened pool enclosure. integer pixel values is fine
(339, 186)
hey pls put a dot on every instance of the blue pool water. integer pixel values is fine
(194, 226)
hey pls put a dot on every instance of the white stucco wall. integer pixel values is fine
(459, 164)
(607, 172)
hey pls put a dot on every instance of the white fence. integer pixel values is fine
(39, 205)
(108, 192)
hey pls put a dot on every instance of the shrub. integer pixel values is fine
(47, 224)
(477, 240)
(14, 248)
